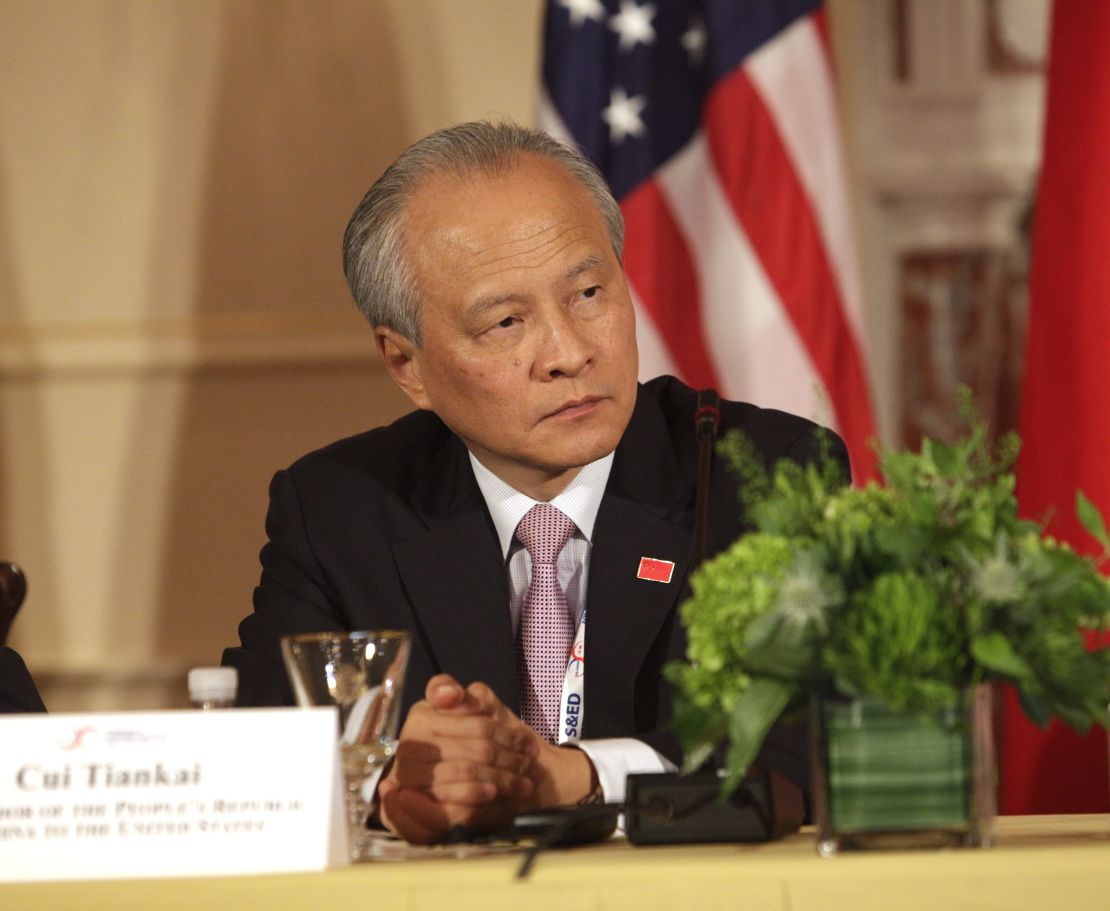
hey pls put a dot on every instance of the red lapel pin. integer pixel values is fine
(654, 570)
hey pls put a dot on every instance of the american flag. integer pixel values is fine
(715, 123)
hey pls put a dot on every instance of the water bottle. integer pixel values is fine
(213, 687)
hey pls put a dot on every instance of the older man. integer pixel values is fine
(536, 479)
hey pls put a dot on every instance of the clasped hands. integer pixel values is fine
(464, 759)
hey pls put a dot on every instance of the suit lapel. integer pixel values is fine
(646, 512)
(455, 576)
(625, 614)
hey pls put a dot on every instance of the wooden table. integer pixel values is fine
(1057, 862)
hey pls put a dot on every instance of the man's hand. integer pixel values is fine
(464, 759)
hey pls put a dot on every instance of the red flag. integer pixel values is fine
(1065, 413)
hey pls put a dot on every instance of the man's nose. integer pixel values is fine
(567, 346)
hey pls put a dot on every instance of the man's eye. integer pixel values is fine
(591, 291)
(509, 322)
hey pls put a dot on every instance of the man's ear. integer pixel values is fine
(402, 360)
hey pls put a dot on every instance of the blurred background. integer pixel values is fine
(175, 179)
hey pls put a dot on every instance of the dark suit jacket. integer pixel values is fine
(388, 529)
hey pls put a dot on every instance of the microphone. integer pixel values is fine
(707, 417)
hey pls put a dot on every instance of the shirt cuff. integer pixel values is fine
(614, 758)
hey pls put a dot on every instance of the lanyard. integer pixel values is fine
(571, 705)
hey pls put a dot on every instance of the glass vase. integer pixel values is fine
(887, 779)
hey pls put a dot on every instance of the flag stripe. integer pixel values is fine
(670, 296)
(765, 193)
(792, 76)
(821, 23)
(754, 344)
(655, 356)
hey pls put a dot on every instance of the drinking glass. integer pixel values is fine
(361, 673)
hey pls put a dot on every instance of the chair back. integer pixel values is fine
(13, 588)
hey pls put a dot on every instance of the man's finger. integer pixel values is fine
(462, 772)
(415, 751)
(512, 732)
(463, 793)
(444, 692)
(476, 699)
(414, 816)
(413, 756)
(483, 698)
(507, 732)
(421, 819)
(475, 727)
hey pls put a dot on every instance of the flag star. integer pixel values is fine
(693, 40)
(582, 11)
(633, 24)
(623, 115)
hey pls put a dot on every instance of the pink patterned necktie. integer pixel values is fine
(546, 632)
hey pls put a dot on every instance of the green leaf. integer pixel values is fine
(696, 757)
(994, 651)
(1077, 717)
(761, 632)
(1037, 709)
(776, 646)
(945, 458)
(695, 725)
(1091, 519)
(753, 713)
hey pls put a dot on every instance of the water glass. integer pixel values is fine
(361, 674)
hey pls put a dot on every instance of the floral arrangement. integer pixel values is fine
(909, 592)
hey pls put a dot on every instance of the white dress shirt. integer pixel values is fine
(613, 757)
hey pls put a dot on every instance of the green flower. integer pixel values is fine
(899, 641)
(805, 595)
(998, 579)
(729, 592)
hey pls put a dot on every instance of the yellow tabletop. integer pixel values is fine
(1037, 862)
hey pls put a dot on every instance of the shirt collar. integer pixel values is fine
(580, 501)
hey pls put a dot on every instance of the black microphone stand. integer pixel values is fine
(707, 418)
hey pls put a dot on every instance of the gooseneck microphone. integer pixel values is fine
(707, 417)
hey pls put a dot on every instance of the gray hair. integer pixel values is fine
(380, 278)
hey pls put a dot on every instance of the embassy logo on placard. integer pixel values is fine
(89, 736)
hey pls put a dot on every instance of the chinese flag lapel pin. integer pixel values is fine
(654, 570)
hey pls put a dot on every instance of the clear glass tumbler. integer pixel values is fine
(362, 674)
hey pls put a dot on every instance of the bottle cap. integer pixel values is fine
(213, 684)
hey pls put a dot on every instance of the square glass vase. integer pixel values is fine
(894, 780)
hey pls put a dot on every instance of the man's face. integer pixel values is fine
(529, 344)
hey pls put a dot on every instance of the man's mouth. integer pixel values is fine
(575, 407)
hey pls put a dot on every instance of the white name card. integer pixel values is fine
(185, 793)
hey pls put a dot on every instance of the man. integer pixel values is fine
(487, 260)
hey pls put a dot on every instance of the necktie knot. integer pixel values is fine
(544, 532)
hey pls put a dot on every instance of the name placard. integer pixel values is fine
(182, 793)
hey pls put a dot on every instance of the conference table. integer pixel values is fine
(1037, 862)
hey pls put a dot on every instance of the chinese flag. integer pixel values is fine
(1065, 409)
